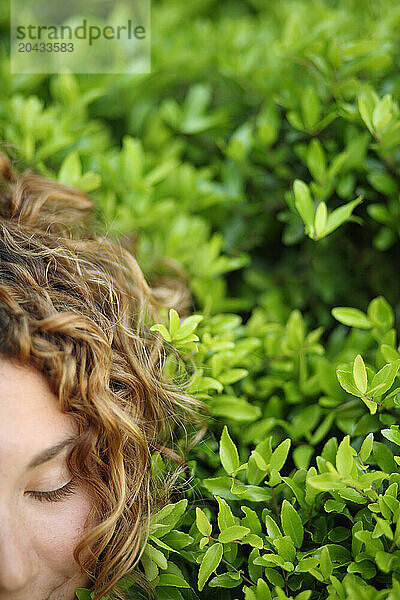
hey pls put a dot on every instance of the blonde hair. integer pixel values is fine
(76, 306)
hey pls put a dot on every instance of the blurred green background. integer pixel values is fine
(243, 98)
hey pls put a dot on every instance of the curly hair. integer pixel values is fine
(76, 306)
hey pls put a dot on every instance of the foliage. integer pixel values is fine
(259, 162)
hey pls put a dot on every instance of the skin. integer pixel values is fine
(37, 538)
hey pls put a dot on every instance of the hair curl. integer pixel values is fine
(76, 306)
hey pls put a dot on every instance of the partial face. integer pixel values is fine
(37, 536)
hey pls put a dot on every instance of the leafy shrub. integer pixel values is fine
(258, 162)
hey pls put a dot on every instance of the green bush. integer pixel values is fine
(259, 161)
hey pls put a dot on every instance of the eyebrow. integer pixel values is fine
(49, 453)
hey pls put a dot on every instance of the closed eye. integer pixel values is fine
(55, 495)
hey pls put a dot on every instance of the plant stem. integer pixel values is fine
(237, 571)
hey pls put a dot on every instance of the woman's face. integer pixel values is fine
(37, 537)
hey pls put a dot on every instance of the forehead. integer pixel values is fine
(28, 407)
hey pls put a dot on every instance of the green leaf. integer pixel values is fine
(172, 580)
(251, 519)
(272, 528)
(320, 221)
(392, 434)
(225, 517)
(71, 169)
(340, 215)
(366, 447)
(316, 160)
(346, 380)
(351, 317)
(360, 374)
(285, 548)
(209, 564)
(326, 482)
(226, 580)
(188, 326)
(173, 322)
(250, 492)
(156, 555)
(235, 532)
(260, 462)
(389, 353)
(262, 590)
(382, 114)
(228, 452)
(291, 523)
(150, 568)
(160, 543)
(232, 376)
(366, 103)
(163, 330)
(310, 107)
(344, 457)
(384, 527)
(83, 594)
(384, 378)
(380, 313)
(304, 203)
(202, 523)
(169, 515)
(177, 539)
(132, 160)
(295, 329)
(279, 455)
(234, 409)
(254, 540)
(219, 486)
(326, 563)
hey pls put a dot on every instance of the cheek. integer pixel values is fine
(59, 529)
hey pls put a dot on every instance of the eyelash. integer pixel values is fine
(55, 495)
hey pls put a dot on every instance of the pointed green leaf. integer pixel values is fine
(209, 564)
(173, 322)
(163, 330)
(360, 374)
(279, 455)
(71, 169)
(171, 513)
(236, 532)
(346, 380)
(304, 203)
(320, 221)
(228, 452)
(272, 528)
(316, 160)
(188, 326)
(202, 523)
(366, 104)
(382, 114)
(291, 523)
(340, 215)
(156, 555)
(380, 313)
(392, 434)
(366, 447)
(172, 580)
(344, 457)
(326, 563)
(384, 378)
(389, 353)
(326, 482)
(351, 317)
